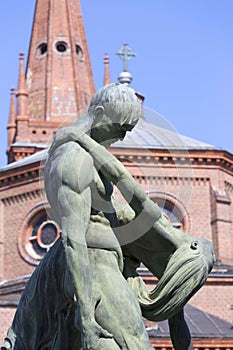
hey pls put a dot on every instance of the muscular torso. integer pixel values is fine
(69, 163)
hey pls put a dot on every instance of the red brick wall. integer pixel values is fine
(215, 299)
(6, 317)
(17, 207)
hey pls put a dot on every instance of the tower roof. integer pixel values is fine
(150, 136)
(59, 76)
(59, 83)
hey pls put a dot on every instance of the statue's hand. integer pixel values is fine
(92, 332)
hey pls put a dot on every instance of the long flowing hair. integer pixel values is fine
(186, 272)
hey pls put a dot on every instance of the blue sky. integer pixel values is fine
(183, 64)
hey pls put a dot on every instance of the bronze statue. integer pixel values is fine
(181, 262)
(84, 294)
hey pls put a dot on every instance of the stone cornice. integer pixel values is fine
(176, 158)
(129, 157)
(13, 286)
(10, 291)
(20, 175)
(173, 180)
(22, 197)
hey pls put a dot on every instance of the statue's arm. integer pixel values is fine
(146, 210)
(179, 331)
(115, 171)
(105, 162)
(130, 189)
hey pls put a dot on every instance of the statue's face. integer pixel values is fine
(108, 133)
(107, 130)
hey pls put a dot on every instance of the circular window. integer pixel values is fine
(61, 46)
(38, 234)
(47, 234)
(42, 49)
(44, 234)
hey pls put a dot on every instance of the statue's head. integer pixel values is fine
(114, 109)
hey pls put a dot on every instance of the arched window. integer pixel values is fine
(171, 213)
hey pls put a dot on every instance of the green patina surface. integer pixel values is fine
(86, 292)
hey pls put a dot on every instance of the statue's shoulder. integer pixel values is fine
(68, 150)
(69, 158)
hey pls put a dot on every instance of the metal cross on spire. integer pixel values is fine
(126, 54)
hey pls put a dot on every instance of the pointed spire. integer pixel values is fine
(59, 83)
(22, 89)
(107, 79)
(22, 93)
(59, 75)
(11, 126)
(12, 114)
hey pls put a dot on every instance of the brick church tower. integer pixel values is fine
(59, 81)
(190, 180)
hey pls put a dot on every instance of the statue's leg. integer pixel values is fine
(179, 331)
(117, 308)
